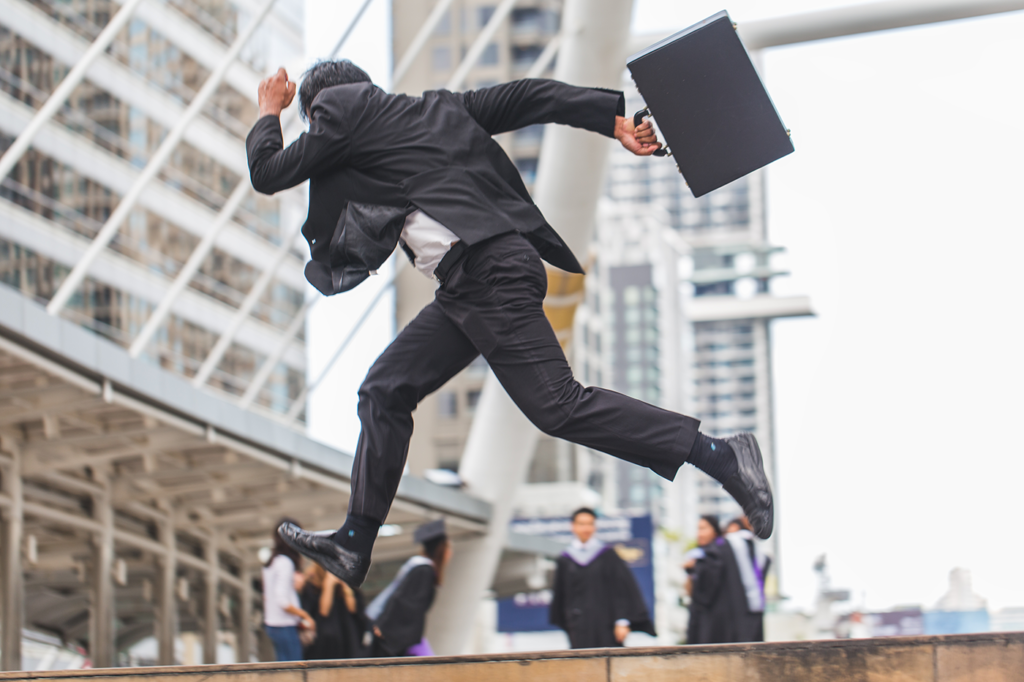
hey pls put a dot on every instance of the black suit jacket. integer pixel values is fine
(372, 158)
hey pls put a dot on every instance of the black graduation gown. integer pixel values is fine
(404, 617)
(339, 634)
(589, 599)
(718, 611)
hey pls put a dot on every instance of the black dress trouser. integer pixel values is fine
(492, 304)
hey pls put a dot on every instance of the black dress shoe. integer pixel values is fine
(749, 486)
(347, 565)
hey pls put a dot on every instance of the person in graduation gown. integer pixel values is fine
(339, 613)
(596, 598)
(399, 613)
(753, 565)
(719, 610)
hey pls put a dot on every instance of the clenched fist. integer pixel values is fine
(275, 93)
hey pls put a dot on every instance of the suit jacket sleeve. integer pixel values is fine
(521, 103)
(273, 168)
(404, 617)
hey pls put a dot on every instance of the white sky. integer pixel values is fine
(898, 405)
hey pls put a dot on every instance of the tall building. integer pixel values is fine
(443, 419)
(88, 156)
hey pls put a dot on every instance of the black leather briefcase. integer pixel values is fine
(711, 107)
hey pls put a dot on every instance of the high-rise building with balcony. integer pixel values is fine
(86, 159)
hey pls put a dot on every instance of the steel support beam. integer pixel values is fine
(501, 440)
(64, 90)
(211, 618)
(156, 162)
(101, 627)
(12, 592)
(167, 605)
(245, 641)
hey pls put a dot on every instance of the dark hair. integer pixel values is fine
(583, 510)
(326, 74)
(434, 549)
(713, 522)
(740, 521)
(282, 547)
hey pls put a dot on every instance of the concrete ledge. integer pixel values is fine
(990, 657)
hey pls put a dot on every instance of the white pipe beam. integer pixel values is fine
(189, 269)
(543, 61)
(300, 401)
(242, 314)
(244, 638)
(167, 608)
(56, 100)
(239, 195)
(501, 440)
(156, 162)
(477, 48)
(417, 43)
(267, 368)
(851, 20)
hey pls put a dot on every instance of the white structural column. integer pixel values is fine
(418, 42)
(244, 637)
(477, 48)
(156, 162)
(12, 593)
(501, 441)
(211, 618)
(66, 87)
(167, 606)
(101, 629)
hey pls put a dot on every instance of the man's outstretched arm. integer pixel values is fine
(518, 104)
(272, 167)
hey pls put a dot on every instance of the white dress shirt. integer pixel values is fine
(428, 240)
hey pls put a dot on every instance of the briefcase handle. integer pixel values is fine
(638, 118)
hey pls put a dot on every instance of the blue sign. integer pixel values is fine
(629, 536)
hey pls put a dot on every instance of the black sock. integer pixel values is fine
(714, 457)
(358, 533)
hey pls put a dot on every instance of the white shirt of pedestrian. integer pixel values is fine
(279, 592)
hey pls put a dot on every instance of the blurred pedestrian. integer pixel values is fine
(753, 565)
(399, 613)
(282, 615)
(596, 597)
(719, 610)
(339, 614)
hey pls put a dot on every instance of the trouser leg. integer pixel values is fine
(496, 298)
(425, 355)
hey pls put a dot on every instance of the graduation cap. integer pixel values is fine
(710, 104)
(429, 531)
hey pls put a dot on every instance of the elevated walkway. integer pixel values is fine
(992, 657)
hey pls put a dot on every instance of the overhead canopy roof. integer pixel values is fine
(87, 419)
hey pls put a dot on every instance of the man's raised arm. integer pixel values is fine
(272, 167)
(518, 104)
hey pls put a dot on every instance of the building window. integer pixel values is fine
(489, 57)
(447, 405)
(472, 399)
(483, 15)
(444, 26)
(441, 59)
